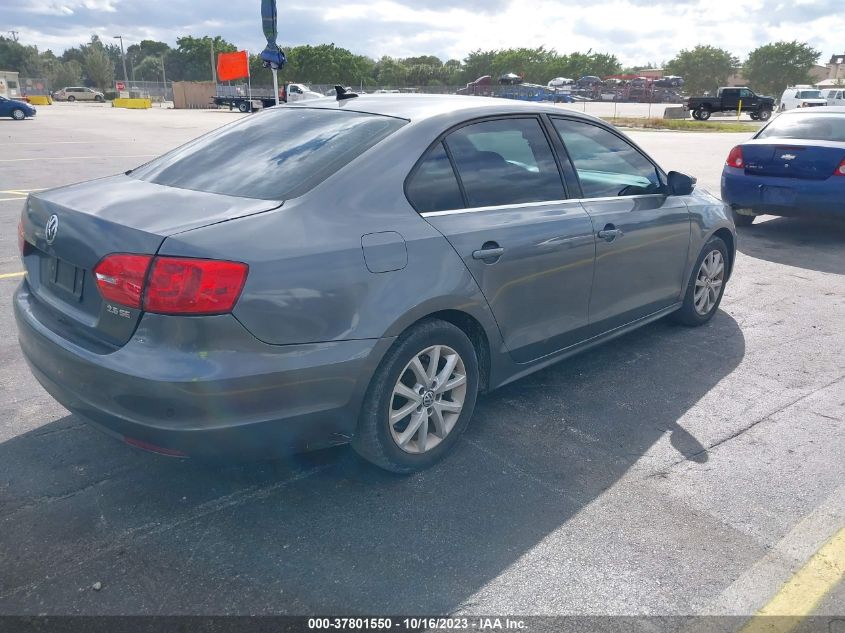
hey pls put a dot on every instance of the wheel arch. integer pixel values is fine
(730, 241)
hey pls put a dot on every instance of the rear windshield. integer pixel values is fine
(275, 155)
(811, 127)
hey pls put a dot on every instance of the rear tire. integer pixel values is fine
(695, 115)
(439, 414)
(244, 107)
(764, 115)
(703, 114)
(742, 220)
(706, 285)
(18, 114)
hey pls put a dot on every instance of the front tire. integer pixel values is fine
(71, 99)
(420, 399)
(18, 114)
(706, 285)
(244, 107)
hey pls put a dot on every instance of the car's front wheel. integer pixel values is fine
(706, 286)
(71, 98)
(420, 399)
(18, 114)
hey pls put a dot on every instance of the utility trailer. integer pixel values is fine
(242, 99)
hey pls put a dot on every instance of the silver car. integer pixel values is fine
(78, 93)
(355, 270)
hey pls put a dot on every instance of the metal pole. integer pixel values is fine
(123, 58)
(276, 85)
(163, 79)
(213, 67)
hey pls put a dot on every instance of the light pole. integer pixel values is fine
(122, 57)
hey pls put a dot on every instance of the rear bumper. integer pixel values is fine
(205, 386)
(783, 196)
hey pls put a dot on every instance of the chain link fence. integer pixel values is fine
(36, 86)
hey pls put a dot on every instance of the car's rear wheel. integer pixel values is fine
(695, 115)
(243, 106)
(18, 114)
(703, 114)
(420, 399)
(764, 115)
(706, 285)
(741, 219)
(754, 116)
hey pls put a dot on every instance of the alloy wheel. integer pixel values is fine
(708, 282)
(427, 399)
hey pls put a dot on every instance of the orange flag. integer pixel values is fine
(232, 66)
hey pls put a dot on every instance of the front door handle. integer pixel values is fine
(490, 250)
(609, 233)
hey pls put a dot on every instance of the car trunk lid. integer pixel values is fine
(69, 230)
(792, 158)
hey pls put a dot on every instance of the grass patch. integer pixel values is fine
(683, 125)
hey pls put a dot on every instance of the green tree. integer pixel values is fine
(148, 69)
(191, 60)
(771, 68)
(390, 72)
(19, 57)
(62, 74)
(704, 68)
(327, 64)
(98, 67)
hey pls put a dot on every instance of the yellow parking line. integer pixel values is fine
(12, 275)
(7, 199)
(20, 192)
(804, 591)
(43, 158)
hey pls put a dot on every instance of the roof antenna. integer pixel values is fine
(343, 93)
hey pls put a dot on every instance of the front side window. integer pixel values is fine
(606, 164)
(744, 93)
(433, 186)
(276, 155)
(507, 161)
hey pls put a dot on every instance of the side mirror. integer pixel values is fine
(680, 184)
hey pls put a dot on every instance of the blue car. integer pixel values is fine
(18, 110)
(793, 166)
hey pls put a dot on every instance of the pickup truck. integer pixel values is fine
(728, 100)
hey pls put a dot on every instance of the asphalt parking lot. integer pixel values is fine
(674, 471)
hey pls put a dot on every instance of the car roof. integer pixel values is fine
(415, 107)
(817, 110)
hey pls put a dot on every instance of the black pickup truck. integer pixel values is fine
(728, 100)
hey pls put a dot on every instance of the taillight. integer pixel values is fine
(21, 239)
(170, 285)
(840, 171)
(120, 278)
(735, 158)
(194, 286)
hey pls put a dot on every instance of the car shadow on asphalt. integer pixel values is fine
(805, 242)
(327, 532)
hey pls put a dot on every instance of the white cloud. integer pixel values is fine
(637, 31)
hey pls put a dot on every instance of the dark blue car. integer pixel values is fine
(793, 166)
(18, 110)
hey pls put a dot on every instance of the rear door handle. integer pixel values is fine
(609, 233)
(488, 253)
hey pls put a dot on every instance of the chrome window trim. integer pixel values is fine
(545, 203)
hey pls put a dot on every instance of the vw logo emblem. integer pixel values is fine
(428, 398)
(52, 228)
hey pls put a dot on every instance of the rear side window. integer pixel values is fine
(507, 161)
(433, 187)
(276, 155)
(606, 164)
(810, 127)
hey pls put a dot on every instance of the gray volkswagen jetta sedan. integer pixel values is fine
(354, 270)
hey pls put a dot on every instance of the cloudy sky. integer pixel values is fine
(637, 31)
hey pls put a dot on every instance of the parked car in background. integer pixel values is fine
(729, 99)
(483, 86)
(801, 97)
(301, 92)
(317, 274)
(669, 81)
(18, 110)
(793, 166)
(834, 96)
(78, 93)
(559, 82)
